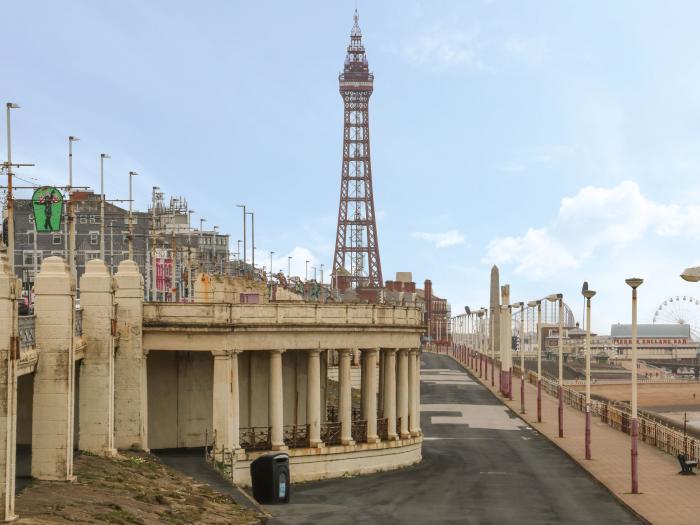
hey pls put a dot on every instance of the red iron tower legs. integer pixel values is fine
(356, 260)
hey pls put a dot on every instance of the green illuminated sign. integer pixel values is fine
(47, 202)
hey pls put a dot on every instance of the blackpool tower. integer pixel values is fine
(356, 259)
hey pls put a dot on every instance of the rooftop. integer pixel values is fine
(651, 330)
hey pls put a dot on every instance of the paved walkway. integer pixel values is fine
(666, 498)
(481, 465)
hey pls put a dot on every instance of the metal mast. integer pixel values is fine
(356, 260)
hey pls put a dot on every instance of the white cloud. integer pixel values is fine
(528, 49)
(593, 219)
(446, 48)
(441, 239)
(298, 263)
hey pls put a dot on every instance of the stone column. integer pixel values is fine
(313, 397)
(345, 397)
(363, 385)
(9, 340)
(276, 401)
(235, 403)
(96, 415)
(52, 415)
(403, 392)
(390, 391)
(413, 392)
(381, 379)
(370, 358)
(130, 381)
(222, 407)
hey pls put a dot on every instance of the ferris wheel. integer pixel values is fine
(681, 309)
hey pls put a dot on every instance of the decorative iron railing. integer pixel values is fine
(359, 431)
(296, 436)
(383, 428)
(330, 433)
(255, 438)
(78, 322)
(27, 331)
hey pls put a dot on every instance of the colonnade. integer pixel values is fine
(390, 390)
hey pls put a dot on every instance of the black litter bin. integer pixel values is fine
(270, 478)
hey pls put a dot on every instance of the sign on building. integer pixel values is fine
(47, 203)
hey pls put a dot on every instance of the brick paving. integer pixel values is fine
(666, 498)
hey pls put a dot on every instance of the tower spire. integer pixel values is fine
(356, 260)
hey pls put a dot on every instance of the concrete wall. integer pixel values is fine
(25, 397)
(179, 398)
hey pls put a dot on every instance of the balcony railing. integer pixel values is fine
(27, 331)
(255, 438)
(296, 436)
(383, 428)
(330, 433)
(359, 431)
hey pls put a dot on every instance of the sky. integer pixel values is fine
(559, 140)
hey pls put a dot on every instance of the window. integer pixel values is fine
(30, 237)
(83, 219)
(125, 237)
(93, 237)
(28, 259)
(56, 239)
(90, 255)
(93, 219)
(57, 253)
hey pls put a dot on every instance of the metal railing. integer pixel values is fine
(255, 438)
(78, 322)
(383, 428)
(296, 436)
(330, 433)
(27, 331)
(359, 431)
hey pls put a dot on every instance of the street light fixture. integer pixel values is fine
(70, 237)
(103, 156)
(538, 304)
(306, 271)
(588, 294)
(271, 254)
(10, 198)
(132, 174)
(289, 266)
(245, 254)
(634, 283)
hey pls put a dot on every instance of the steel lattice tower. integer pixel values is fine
(356, 260)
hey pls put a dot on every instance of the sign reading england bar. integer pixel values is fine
(47, 202)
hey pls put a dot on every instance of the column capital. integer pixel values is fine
(392, 351)
(279, 351)
(415, 351)
(345, 350)
(222, 354)
(314, 351)
(404, 351)
(370, 351)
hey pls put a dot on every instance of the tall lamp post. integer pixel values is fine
(10, 198)
(306, 271)
(245, 254)
(560, 391)
(104, 156)
(271, 254)
(201, 245)
(132, 174)
(588, 294)
(70, 238)
(634, 283)
(289, 266)
(252, 241)
(538, 304)
(522, 355)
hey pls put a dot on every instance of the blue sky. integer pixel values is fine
(560, 140)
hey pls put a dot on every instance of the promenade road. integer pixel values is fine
(481, 464)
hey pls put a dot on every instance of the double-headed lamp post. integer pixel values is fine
(588, 294)
(560, 388)
(103, 156)
(70, 251)
(521, 305)
(538, 304)
(132, 174)
(634, 283)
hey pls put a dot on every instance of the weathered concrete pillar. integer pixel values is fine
(494, 314)
(403, 392)
(417, 396)
(130, 385)
(222, 403)
(413, 393)
(313, 397)
(363, 385)
(370, 358)
(52, 416)
(390, 391)
(380, 402)
(96, 424)
(275, 401)
(345, 397)
(235, 403)
(9, 341)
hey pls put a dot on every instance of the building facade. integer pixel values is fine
(655, 341)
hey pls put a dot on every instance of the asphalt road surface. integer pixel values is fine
(481, 464)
